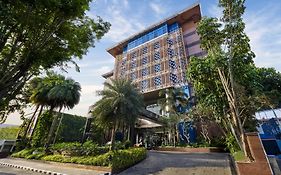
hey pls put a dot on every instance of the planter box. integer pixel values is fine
(260, 165)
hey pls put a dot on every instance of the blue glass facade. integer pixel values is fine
(165, 28)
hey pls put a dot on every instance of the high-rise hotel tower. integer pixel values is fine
(157, 57)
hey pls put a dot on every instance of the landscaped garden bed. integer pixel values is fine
(86, 154)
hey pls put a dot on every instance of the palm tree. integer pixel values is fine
(173, 102)
(120, 104)
(64, 94)
(37, 91)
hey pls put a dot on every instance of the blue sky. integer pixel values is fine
(263, 26)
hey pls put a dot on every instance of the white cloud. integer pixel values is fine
(126, 3)
(263, 29)
(88, 97)
(101, 70)
(156, 8)
(122, 25)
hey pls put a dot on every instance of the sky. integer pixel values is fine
(127, 17)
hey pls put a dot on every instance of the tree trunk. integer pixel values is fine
(57, 131)
(36, 121)
(52, 129)
(27, 129)
(132, 135)
(129, 133)
(86, 129)
(112, 147)
(236, 127)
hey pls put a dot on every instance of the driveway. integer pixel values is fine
(15, 171)
(171, 163)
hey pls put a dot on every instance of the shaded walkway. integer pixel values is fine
(168, 163)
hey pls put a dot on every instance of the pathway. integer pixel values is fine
(171, 163)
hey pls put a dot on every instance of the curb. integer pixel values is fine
(37, 170)
(30, 169)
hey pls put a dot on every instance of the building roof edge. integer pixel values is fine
(151, 27)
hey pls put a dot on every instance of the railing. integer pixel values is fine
(6, 146)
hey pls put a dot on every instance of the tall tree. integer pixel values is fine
(38, 96)
(225, 79)
(38, 35)
(121, 103)
(66, 94)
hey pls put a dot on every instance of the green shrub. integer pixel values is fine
(32, 153)
(42, 129)
(23, 153)
(55, 158)
(35, 156)
(9, 133)
(239, 156)
(92, 149)
(122, 159)
(77, 149)
(117, 160)
(122, 145)
(73, 148)
(218, 142)
(231, 144)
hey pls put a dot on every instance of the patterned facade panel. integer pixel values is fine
(158, 81)
(151, 64)
(157, 68)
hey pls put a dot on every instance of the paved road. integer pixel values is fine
(163, 163)
(15, 171)
(50, 167)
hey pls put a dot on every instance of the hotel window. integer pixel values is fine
(170, 52)
(170, 42)
(173, 78)
(122, 73)
(179, 38)
(183, 63)
(181, 51)
(172, 64)
(157, 45)
(157, 68)
(134, 55)
(123, 62)
(144, 50)
(144, 72)
(157, 81)
(144, 61)
(157, 56)
(133, 76)
(144, 84)
(133, 64)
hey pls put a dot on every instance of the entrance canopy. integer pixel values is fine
(148, 119)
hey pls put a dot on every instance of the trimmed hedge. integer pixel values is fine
(77, 149)
(31, 153)
(123, 159)
(117, 160)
